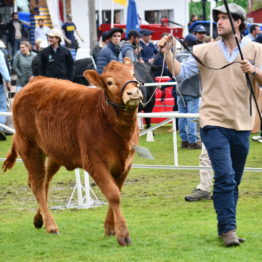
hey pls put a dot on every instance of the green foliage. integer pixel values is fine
(196, 7)
(163, 227)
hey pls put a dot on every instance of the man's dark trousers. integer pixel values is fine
(227, 150)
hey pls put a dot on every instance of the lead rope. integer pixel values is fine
(149, 100)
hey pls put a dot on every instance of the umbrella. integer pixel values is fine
(132, 22)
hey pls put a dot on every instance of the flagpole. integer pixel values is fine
(112, 14)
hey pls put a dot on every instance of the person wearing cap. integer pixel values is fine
(129, 47)
(200, 33)
(225, 117)
(147, 48)
(111, 51)
(56, 60)
(253, 31)
(102, 43)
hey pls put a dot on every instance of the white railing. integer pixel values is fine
(84, 192)
(171, 117)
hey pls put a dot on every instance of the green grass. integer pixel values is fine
(163, 227)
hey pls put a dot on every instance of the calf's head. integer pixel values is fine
(119, 83)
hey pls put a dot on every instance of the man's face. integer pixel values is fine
(255, 32)
(147, 38)
(15, 16)
(200, 36)
(41, 23)
(223, 25)
(53, 40)
(116, 38)
(135, 40)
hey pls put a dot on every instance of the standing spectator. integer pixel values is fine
(22, 64)
(192, 20)
(69, 29)
(102, 43)
(253, 31)
(56, 60)
(200, 33)
(203, 189)
(129, 47)
(2, 30)
(37, 59)
(4, 76)
(147, 48)
(111, 51)
(188, 93)
(41, 31)
(16, 32)
(225, 131)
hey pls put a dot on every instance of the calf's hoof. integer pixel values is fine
(124, 241)
(52, 229)
(109, 232)
(38, 220)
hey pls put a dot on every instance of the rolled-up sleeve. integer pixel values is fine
(188, 69)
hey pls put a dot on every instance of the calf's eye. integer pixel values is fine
(110, 83)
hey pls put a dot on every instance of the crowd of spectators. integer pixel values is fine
(49, 58)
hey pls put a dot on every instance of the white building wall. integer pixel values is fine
(179, 7)
(79, 10)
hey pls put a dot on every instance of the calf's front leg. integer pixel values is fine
(115, 222)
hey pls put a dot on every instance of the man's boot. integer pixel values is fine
(197, 195)
(230, 239)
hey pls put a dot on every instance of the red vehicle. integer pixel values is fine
(157, 28)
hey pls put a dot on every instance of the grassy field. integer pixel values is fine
(163, 227)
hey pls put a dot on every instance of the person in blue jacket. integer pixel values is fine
(111, 51)
(147, 48)
(129, 47)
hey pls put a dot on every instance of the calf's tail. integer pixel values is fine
(11, 158)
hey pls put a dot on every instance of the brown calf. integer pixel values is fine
(59, 123)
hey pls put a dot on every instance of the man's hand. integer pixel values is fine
(247, 67)
(8, 86)
(68, 41)
(166, 43)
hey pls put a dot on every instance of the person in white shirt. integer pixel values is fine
(42, 30)
(253, 31)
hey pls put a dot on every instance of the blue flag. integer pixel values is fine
(132, 22)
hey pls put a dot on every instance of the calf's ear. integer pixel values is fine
(93, 78)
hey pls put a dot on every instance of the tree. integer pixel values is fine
(196, 7)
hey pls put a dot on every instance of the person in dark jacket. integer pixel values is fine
(16, 32)
(147, 48)
(56, 60)
(129, 48)
(111, 51)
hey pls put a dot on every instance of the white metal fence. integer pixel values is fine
(171, 117)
